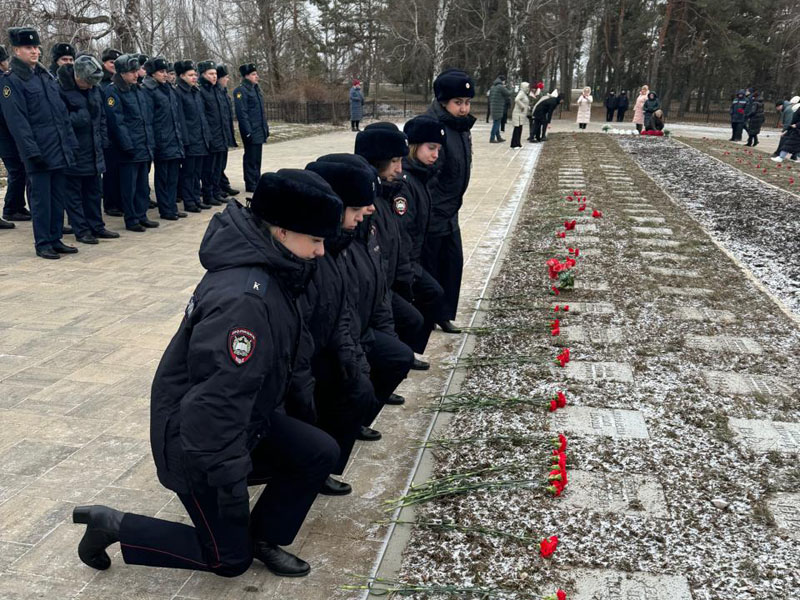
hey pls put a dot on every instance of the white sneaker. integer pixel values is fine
(776, 159)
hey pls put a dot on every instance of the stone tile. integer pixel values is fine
(688, 273)
(256, 583)
(652, 230)
(26, 519)
(11, 484)
(657, 243)
(663, 256)
(766, 436)
(605, 584)
(111, 452)
(685, 291)
(592, 308)
(139, 583)
(619, 493)
(56, 556)
(647, 219)
(744, 383)
(724, 343)
(71, 482)
(33, 457)
(705, 314)
(610, 422)
(15, 392)
(599, 371)
(785, 508)
(24, 586)
(10, 552)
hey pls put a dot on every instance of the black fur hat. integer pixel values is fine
(159, 63)
(222, 71)
(205, 65)
(23, 36)
(424, 129)
(351, 177)
(170, 67)
(381, 141)
(62, 49)
(125, 63)
(298, 200)
(182, 66)
(247, 69)
(110, 54)
(3, 54)
(453, 83)
(143, 58)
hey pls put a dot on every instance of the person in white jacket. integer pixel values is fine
(522, 103)
(584, 108)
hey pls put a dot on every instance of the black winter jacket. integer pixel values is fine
(195, 126)
(8, 149)
(227, 117)
(612, 102)
(623, 102)
(250, 113)
(651, 105)
(390, 212)
(88, 119)
(739, 108)
(455, 165)
(230, 363)
(212, 102)
(167, 114)
(418, 209)
(543, 111)
(130, 124)
(37, 118)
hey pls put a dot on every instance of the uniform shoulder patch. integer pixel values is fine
(239, 95)
(257, 282)
(6, 91)
(111, 101)
(190, 307)
(241, 345)
(400, 205)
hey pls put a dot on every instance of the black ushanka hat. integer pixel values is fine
(299, 201)
(222, 71)
(23, 36)
(159, 63)
(424, 129)
(381, 141)
(248, 68)
(183, 66)
(62, 49)
(110, 54)
(353, 179)
(453, 83)
(205, 65)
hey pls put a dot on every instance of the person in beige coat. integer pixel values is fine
(584, 107)
(521, 105)
(638, 108)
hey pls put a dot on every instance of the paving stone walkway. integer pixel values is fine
(80, 339)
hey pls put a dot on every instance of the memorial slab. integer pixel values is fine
(641, 210)
(594, 335)
(766, 436)
(785, 507)
(594, 286)
(705, 314)
(599, 371)
(689, 291)
(657, 243)
(582, 228)
(605, 584)
(649, 255)
(674, 272)
(591, 308)
(652, 230)
(744, 383)
(609, 422)
(724, 343)
(646, 219)
(608, 492)
(583, 239)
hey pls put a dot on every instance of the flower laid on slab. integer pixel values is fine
(570, 225)
(555, 327)
(574, 251)
(560, 443)
(791, 180)
(563, 358)
(547, 546)
(554, 290)
(558, 307)
(561, 272)
(582, 208)
(561, 234)
(596, 214)
(558, 401)
(559, 595)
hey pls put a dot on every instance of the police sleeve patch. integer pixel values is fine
(6, 92)
(400, 205)
(239, 95)
(111, 101)
(241, 345)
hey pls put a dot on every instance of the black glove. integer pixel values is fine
(38, 163)
(233, 503)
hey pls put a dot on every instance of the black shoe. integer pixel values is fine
(192, 209)
(494, 141)
(213, 202)
(169, 217)
(448, 327)
(87, 239)
(204, 206)
(395, 400)
(102, 530)
(105, 234)
(333, 487)
(368, 434)
(420, 365)
(6, 225)
(148, 223)
(152, 204)
(222, 197)
(230, 191)
(48, 253)
(138, 228)
(279, 561)
(67, 230)
(499, 139)
(181, 215)
(62, 248)
(115, 212)
(20, 216)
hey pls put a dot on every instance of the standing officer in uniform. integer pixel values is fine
(217, 416)
(230, 140)
(443, 256)
(112, 205)
(168, 134)
(131, 133)
(84, 102)
(14, 204)
(252, 123)
(62, 54)
(38, 122)
(217, 146)
(171, 76)
(195, 137)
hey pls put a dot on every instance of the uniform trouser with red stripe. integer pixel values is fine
(294, 459)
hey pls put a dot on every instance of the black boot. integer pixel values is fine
(102, 530)
(279, 561)
(395, 400)
(334, 487)
(420, 365)
(448, 327)
(755, 141)
(368, 434)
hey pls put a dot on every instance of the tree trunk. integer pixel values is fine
(440, 23)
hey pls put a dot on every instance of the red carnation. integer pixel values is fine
(561, 234)
(547, 546)
(597, 214)
(582, 208)
(569, 263)
(554, 290)
(561, 443)
(553, 406)
(569, 225)
(555, 488)
(555, 331)
(570, 198)
(576, 192)
(556, 308)
(561, 400)
(563, 358)
(791, 180)
(566, 308)
(561, 595)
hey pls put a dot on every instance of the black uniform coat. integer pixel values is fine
(791, 138)
(455, 165)
(250, 113)
(195, 126)
(37, 118)
(212, 102)
(418, 209)
(130, 125)
(88, 119)
(167, 114)
(612, 102)
(227, 116)
(230, 363)
(389, 216)
(8, 149)
(622, 102)
(755, 116)
(545, 108)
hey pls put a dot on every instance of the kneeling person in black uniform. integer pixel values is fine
(217, 416)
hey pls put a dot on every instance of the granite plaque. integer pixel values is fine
(652, 230)
(763, 436)
(599, 371)
(706, 314)
(608, 422)
(724, 343)
(743, 383)
(606, 584)
(615, 492)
